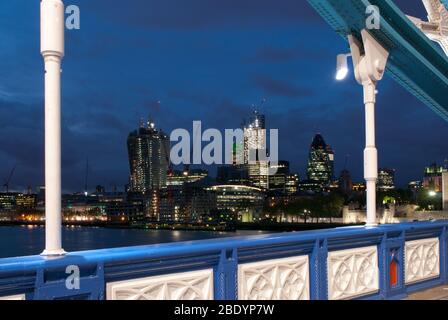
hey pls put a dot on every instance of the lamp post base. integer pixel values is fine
(371, 225)
(53, 253)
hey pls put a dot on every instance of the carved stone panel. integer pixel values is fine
(14, 297)
(195, 285)
(422, 260)
(352, 273)
(280, 279)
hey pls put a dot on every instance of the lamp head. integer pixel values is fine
(341, 67)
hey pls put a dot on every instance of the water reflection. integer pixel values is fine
(30, 239)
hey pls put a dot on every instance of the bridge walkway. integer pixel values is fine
(437, 293)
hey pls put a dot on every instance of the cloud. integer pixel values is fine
(280, 87)
(202, 13)
(203, 59)
(283, 55)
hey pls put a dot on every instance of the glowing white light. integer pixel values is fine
(341, 67)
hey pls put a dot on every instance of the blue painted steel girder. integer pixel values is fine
(415, 62)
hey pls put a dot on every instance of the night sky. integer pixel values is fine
(208, 60)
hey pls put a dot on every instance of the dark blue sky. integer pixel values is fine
(206, 60)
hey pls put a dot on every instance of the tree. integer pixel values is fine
(319, 206)
(429, 200)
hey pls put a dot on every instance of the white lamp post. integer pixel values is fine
(369, 61)
(52, 49)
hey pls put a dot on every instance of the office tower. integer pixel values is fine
(278, 181)
(26, 201)
(386, 179)
(320, 162)
(292, 183)
(254, 150)
(149, 151)
(432, 178)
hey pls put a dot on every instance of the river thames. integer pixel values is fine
(30, 240)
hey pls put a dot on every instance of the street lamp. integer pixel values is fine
(52, 50)
(342, 66)
(369, 62)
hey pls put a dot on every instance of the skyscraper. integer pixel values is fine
(320, 162)
(278, 181)
(432, 178)
(255, 146)
(149, 152)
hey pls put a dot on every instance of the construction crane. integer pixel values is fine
(86, 177)
(258, 108)
(7, 181)
(346, 161)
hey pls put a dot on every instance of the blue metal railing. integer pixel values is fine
(44, 278)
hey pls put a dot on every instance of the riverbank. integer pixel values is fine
(265, 226)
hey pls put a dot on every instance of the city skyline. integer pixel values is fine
(143, 143)
(271, 61)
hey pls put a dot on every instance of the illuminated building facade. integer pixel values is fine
(320, 162)
(386, 179)
(26, 202)
(13, 205)
(246, 202)
(7, 201)
(172, 205)
(283, 181)
(254, 148)
(179, 178)
(17, 201)
(310, 186)
(359, 187)
(432, 179)
(277, 181)
(292, 184)
(148, 150)
(189, 203)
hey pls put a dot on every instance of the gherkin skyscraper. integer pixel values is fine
(320, 162)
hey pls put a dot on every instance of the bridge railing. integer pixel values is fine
(384, 262)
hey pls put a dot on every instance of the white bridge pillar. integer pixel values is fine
(369, 60)
(52, 49)
(370, 153)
